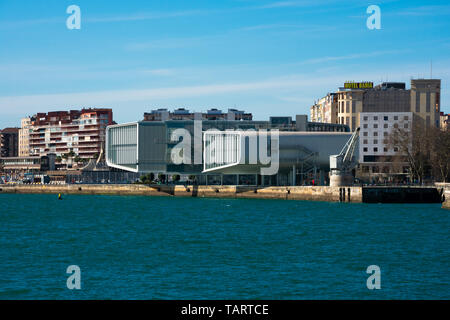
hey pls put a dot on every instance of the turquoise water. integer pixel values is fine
(192, 248)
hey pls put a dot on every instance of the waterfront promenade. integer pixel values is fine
(314, 193)
(355, 194)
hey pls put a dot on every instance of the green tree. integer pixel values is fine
(176, 178)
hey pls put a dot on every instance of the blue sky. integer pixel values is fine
(266, 57)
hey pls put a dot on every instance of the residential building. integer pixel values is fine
(79, 131)
(9, 142)
(444, 121)
(24, 137)
(326, 109)
(184, 114)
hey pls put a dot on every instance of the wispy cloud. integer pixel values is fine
(160, 72)
(115, 97)
(288, 4)
(149, 16)
(426, 10)
(172, 43)
(353, 56)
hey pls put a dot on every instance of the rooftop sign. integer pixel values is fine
(358, 85)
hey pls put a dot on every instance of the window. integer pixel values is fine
(365, 118)
(375, 118)
(395, 117)
(347, 106)
(364, 141)
(395, 125)
(365, 134)
(375, 126)
(385, 149)
(375, 141)
(375, 149)
(406, 126)
(386, 126)
(395, 149)
(386, 118)
(385, 134)
(375, 134)
(365, 149)
(365, 126)
(406, 118)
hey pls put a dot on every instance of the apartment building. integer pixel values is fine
(184, 114)
(24, 137)
(60, 132)
(9, 142)
(326, 109)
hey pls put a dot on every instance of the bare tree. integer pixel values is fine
(412, 147)
(440, 154)
(425, 149)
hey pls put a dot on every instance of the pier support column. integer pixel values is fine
(294, 175)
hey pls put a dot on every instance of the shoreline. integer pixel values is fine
(305, 193)
(311, 193)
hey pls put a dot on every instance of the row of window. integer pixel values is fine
(386, 125)
(385, 118)
(375, 134)
(375, 149)
(375, 141)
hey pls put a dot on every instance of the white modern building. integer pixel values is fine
(376, 153)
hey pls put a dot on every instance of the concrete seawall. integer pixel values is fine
(313, 193)
(446, 188)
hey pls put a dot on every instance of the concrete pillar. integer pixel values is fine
(294, 175)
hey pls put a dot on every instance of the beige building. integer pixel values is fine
(423, 100)
(426, 100)
(444, 121)
(350, 104)
(24, 137)
(325, 110)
